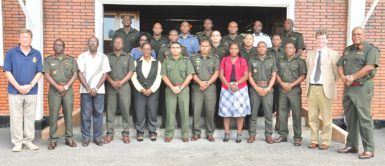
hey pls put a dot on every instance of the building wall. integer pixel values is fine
(73, 21)
(312, 15)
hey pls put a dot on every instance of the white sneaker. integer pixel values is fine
(16, 148)
(31, 146)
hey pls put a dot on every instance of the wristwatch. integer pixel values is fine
(65, 87)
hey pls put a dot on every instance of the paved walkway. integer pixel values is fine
(177, 153)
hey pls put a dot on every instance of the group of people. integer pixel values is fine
(236, 74)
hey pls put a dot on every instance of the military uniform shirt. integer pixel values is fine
(205, 67)
(291, 70)
(202, 36)
(164, 52)
(156, 44)
(226, 40)
(248, 53)
(130, 38)
(262, 69)
(220, 51)
(121, 65)
(354, 59)
(177, 70)
(293, 37)
(61, 68)
(278, 55)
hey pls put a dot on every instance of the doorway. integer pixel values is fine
(171, 16)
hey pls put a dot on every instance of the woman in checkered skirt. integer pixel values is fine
(234, 99)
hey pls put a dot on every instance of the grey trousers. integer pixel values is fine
(146, 108)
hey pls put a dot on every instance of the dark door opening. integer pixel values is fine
(171, 17)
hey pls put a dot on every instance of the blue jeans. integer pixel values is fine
(92, 110)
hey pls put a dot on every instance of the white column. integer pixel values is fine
(290, 10)
(99, 17)
(34, 10)
(356, 14)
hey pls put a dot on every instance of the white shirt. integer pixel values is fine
(146, 67)
(262, 37)
(324, 54)
(88, 65)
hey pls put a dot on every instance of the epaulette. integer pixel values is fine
(48, 57)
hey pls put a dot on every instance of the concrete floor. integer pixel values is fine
(177, 153)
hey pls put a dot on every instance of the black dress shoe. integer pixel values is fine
(98, 142)
(70, 143)
(280, 139)
(185, 140)
(239, 138)
(85, 143)
(297, 142)
(52, 145)
(226, 138)
(348, 150)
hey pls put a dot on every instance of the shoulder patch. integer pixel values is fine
(48, 57)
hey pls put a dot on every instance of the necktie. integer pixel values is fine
(318, 68)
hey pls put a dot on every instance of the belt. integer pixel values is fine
(261, 82)
(316, 84)
(356, 84)
(178, 84)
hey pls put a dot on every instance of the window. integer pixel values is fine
(113, 21)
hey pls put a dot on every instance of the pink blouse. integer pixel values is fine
(240, 68)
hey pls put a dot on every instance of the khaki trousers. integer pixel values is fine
(319, 104)
(22, 110)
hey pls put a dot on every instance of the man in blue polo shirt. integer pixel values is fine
(188, 40)
(23, 69)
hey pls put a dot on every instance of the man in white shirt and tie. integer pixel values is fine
(321, 89)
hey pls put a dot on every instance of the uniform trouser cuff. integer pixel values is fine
(125, 133)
